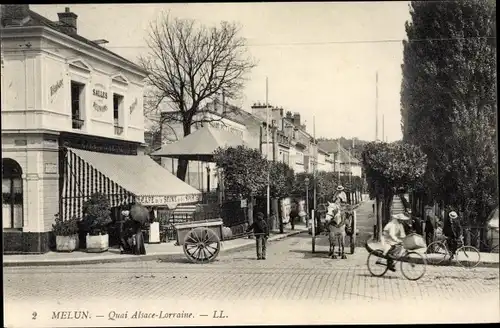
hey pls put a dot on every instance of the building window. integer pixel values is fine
(117, 110)
(77, 104)
(12, 194)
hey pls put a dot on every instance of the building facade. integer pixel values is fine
(70, 110)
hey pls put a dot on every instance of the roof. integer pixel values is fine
(200, 145)
(141, 176)
(39, 20)
(333, 147)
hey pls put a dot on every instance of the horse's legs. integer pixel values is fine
(332, 243)
(343, 242)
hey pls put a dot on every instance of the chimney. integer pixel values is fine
(289, 115)
(14, 14)
(296, 119)
(68, 21)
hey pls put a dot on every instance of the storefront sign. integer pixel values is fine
(133, 106)
(166, 200)
(50, 168)
(101, 146)
(98, 92)
(100, 95)
(99, 108)
(54, 88)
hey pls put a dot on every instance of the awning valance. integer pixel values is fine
(149, 182)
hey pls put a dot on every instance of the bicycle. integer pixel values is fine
(409, 260)
(466, 256)
(490, 249)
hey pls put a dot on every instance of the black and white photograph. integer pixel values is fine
(253, 163)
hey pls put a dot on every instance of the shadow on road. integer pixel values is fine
(383, 277)
(309, 254)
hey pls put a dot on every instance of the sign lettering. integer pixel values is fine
(133, 105)
(100, 108)
(165, 200)
(101, 147)
(54, 88)
(100, 93)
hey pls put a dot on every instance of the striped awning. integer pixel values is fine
(123, 178)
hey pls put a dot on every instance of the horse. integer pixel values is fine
(336, 225)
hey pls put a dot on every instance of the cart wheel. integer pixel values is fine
(353, 243)
(314, 244)
(201, 245)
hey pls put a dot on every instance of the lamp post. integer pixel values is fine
(307, 199)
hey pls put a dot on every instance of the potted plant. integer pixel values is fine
(66, 232)
(96, 218)
(154, 228)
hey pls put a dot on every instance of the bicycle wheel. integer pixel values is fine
(413, 266)
(377, 265)
(468, 256)
(436, 252)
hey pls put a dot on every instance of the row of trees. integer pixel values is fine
(390, 167)
(245, 173)
(448, 103)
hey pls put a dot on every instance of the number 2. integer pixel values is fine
(34, 314)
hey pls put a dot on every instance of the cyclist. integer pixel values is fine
(392, 238)
(453, 232)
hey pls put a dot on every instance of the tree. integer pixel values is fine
(189, 65)
(388, 167)
(448, 100)
(244, 170)
(282, 178)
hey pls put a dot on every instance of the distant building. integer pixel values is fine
(342, 160)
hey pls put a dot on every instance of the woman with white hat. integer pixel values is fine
(453, 231)
(392, 237)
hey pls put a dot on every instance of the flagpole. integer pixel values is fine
(267, 153)
(315, 154)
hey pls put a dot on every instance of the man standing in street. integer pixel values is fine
(261, 232)
(453, 231)
(294, 213)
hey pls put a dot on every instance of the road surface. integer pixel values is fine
(290, 275)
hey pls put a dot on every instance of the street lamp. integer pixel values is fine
(307, 199)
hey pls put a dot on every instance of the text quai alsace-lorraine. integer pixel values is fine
(112, 315)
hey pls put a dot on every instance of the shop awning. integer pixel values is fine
(200, 145)
(149, 182)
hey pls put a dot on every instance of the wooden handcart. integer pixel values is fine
(200, 240)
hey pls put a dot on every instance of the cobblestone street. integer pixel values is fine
(291, 272)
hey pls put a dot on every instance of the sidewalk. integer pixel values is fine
(487, 260)
(163, 251)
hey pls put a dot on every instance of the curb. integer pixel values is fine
(157, 257)
(447, 263)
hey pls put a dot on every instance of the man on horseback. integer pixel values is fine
(336, 223)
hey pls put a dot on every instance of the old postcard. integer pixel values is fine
(218, 164)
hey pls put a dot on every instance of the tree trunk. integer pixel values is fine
(388, 196)
(250, 212)
(275, 212)
(379, 218)
(182, 164)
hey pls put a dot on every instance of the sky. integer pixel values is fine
(320, 59)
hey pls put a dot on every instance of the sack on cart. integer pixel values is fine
(414, 241)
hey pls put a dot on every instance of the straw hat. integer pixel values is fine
(125, 213)
(400, 217)
(340, 188)
(453, 215)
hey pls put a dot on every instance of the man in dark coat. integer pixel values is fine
(261, 232)
(453, 231)
(294, 214)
